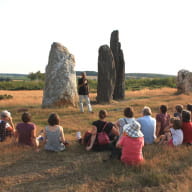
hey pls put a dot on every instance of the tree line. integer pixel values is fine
(130, 84)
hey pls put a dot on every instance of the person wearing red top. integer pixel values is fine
(131, 143)
(187, 127)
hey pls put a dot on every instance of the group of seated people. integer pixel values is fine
(125, 138)
(128, 135)
(25, 132)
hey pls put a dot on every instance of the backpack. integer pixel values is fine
(103, 137)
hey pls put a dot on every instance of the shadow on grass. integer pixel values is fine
(78, 170)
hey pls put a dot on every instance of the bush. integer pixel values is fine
(5, 97)
(137, 84)
(130, 84)
(22, 85)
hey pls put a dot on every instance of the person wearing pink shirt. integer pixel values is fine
(162, 120)
(131, 143)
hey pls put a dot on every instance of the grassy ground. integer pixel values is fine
(23, 170)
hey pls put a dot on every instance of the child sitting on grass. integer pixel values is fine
(174, 134)
(131, 143)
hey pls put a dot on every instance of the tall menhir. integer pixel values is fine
(60, 82)
(115, 45)
(106, 75)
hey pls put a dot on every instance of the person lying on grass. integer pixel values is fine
(99, 126)
(25, 133)
(6, 125)
(131, 143)
(54, 138)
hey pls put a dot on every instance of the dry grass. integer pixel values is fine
(23, 170)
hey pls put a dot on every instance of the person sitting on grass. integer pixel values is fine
(174, 134)
(26, 131)
(54, 138)
(6, 125)
(128, 117)
(187, 127)
(189, 107)
(131, 143)
(99, 126)
(148, 125)
(162, 120)
(178, 109)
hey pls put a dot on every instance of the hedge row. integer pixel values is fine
(130, 84)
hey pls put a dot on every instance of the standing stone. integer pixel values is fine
(115, 45)
(184, 81)
(60, 80)
(106, 75)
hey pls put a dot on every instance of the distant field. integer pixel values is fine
(90, 75)
(14, 76)
(75, 170)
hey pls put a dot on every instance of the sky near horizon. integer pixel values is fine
(155, 35)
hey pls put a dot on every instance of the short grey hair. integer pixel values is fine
(5, 113)
(147, 111)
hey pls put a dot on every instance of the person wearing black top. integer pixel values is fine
(83, 91)
(98, 126)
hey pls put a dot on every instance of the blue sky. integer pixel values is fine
(155, 35)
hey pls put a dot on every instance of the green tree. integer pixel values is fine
(36, 76)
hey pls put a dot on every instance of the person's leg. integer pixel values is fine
(169, 136)
(81, 102)
(88, 103)
(36, 144)
(93, 137)
(162, 139)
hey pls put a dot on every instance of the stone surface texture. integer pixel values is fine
(60, 81)
(115, 45)
(106, 75)
(184, 81)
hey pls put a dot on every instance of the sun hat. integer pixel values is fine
(5, 113)
(133, 129)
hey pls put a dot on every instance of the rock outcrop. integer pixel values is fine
(184, 81)
(106, 75)
(115, 45)
(60, 81)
